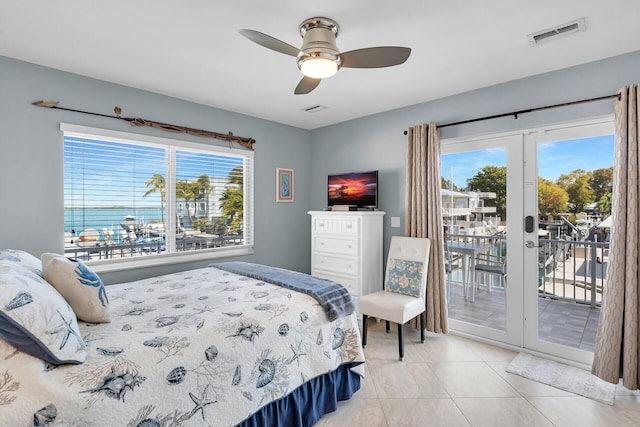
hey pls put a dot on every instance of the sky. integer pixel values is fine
(110, 173)
(554, 159)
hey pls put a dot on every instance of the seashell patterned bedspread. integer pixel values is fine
(201, 347)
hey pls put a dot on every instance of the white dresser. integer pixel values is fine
(346, 247)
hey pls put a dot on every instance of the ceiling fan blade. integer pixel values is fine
(270, 42)
(306, 85)
(375, 57)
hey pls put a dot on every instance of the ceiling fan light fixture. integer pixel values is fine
(318, 67)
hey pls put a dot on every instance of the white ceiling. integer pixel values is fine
(192, 50)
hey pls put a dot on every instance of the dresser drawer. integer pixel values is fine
(336, 246)
(351, 283)
(341, 265)
(340, 225)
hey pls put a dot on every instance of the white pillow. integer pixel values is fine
(81, 287)
(35, 319)
(23, 258)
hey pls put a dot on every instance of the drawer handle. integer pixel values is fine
(349, 246)
(348, 225)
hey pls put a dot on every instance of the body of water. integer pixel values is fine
(78, 220)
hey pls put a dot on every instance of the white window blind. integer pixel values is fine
(125, 198)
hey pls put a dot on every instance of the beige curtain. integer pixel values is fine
(617, 352)
(423, 215)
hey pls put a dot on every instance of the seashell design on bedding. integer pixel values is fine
(248, 331)
(109, 351)
(338, 338)
(116, 386)
(21, 299)
(45, 416)
(211, 352)
(149, 422)
(283, 329)
(267, 371)
(237, 376)
(176, 376)
(156, 342)
(163, 321)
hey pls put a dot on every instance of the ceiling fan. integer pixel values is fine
(319, 57)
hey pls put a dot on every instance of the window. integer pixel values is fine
(132, 196)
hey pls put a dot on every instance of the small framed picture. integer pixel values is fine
(284, 185)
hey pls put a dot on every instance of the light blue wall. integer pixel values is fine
(377, 141)
(31, 188)
(31, 181)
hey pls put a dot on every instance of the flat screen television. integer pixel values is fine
(356, 189)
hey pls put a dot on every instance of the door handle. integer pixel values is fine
(530, 244)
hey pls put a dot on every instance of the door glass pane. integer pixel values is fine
(574, 202)
(474, 189)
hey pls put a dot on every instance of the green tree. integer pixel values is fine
(232, 199)
(551, 198)
(204, 188)
(576, 184)
(157, 184)
(604, 204)
(187, 191)
(448, 185)
(601, 182)
(492, 179)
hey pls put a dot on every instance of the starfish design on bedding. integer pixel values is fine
(297, 353)
(200, 402)
(67, 330)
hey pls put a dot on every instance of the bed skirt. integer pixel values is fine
(305, 405)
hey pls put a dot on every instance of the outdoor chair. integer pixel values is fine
(488, 266)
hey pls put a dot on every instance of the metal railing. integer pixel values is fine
(102, 250)
(568, 270)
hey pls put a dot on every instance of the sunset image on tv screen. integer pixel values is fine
(357, 189)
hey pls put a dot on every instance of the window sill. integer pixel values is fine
(110, 266)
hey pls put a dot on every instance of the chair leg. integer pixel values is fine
(422, 326)
(364, 330)
(400, 342)
(388, 326)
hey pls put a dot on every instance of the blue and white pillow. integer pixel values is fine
(404, 277)
(23, 258)
(35, 319)
(79, 285)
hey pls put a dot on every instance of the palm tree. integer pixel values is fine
(158, 184)
(204, 184)
(187, 191)
(232, 199)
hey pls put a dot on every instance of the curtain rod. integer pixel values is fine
(516, 113)
(136, 121)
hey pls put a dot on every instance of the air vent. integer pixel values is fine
(314, 108)
(554, 33)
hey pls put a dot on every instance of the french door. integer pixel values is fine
(491, 193)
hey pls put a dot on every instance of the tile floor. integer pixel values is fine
(453, 381)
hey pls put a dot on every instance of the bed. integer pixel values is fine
(229, 344)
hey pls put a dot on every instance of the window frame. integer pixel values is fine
(130, 263)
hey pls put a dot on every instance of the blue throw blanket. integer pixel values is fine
(333, 297)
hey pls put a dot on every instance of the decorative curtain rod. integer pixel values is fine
(135, 121)
(515, 114)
